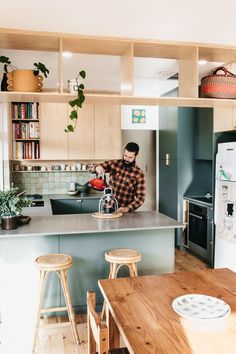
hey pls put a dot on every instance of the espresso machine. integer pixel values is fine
(108, 203)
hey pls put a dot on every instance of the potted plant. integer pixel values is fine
(76, 103)
(11, 204)
(22, 80)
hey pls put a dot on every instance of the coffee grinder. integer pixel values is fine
(108, 203)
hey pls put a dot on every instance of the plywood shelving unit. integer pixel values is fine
(187, 55)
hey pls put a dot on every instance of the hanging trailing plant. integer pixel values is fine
(76, 103)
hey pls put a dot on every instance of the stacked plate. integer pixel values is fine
(198, 306)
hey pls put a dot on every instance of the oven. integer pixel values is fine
(200, 230)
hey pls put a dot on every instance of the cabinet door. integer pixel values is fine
(204, 134)
(107, 132)
(168, 119)
(53, 119)
(224, 119)
(168, 188)
(81, 141)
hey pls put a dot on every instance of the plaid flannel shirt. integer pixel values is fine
(127, 182)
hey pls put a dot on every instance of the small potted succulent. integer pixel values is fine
(14, 80)
(11, 204)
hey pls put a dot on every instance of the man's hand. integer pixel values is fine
(123, 210)
(100, 170)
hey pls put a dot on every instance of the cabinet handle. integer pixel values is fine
(78, 201)
(196, 216)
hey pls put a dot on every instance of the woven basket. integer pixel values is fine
(219, 85)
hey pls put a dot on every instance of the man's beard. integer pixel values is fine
(128, 164)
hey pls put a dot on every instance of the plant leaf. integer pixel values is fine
(4, 60)
(73, 115)
(41, 67)
(69, 128)
(81, 86)
(76, 102)
(82, 74)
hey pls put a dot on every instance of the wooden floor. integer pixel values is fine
(186, 262)
(58, 340)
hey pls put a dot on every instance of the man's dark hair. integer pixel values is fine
(132, 147)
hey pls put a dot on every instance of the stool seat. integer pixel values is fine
(54, 261)
(123, 255)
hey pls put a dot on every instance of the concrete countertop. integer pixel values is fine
(86, 223)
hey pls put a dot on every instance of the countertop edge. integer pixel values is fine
(85, 224)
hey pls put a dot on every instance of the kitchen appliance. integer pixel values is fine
(225, 207)
(204, 199)
(98, 183)
(199, 229)
(37, 199)
(108, 203)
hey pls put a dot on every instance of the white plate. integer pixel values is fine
(72, 192)
(197, 306)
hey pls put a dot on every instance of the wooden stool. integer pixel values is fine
(121, 257)
(58, 263)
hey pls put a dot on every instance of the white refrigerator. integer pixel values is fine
(225, 207)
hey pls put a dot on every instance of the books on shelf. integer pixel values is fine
(25, 131)
(26, 150)
(29, 130)
(25, 110)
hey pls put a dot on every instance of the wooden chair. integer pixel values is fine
(118, 258)
(58, 263)
(98, 335)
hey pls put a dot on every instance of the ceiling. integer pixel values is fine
(185, 20)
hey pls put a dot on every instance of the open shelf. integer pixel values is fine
(187, 53)
(117, 99)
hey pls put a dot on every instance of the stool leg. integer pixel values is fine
(66, 292)
(133, 269)
(43, 276)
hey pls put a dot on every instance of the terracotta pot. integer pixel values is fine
(24, 81)
(9, 222)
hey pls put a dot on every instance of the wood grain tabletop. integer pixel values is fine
(141, 309)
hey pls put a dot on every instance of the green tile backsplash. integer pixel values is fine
(48, 182)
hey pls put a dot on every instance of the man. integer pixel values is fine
(125, 178)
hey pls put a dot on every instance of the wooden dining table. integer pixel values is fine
(140, 310)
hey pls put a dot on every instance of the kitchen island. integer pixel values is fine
(86, 239)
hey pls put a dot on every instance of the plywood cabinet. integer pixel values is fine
(54, 143)
(97, 134)
(107, 131)
(81, 142)
(224, 119)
